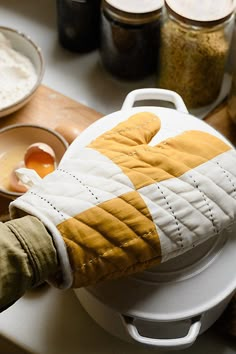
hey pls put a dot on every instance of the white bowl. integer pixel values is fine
(24, 45)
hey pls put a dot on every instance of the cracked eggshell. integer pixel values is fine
(39, 147)
(15, 184)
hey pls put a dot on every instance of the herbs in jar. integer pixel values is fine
(193, 57)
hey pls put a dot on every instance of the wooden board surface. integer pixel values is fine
(50, 108)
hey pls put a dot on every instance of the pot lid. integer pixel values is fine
(207, 11)
(188, 284)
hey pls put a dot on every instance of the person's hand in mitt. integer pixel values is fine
(120, 205)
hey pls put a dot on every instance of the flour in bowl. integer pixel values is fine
(17, 74)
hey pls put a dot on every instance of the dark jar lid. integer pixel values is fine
(133, 11)
(201, 13)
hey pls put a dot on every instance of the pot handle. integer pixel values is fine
(154, 94)
(173, 343)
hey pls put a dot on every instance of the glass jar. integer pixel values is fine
(195, 42)
(130, 36)
(78, 23)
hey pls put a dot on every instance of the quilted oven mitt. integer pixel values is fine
(119, 205)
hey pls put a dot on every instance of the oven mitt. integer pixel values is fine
(120, 205)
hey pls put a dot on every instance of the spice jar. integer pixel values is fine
(195, 42)
(78, 23)
(130, 37)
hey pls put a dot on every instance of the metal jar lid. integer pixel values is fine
(134, 11)
(206, 13)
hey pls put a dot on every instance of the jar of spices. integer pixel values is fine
(130, 36)
(195, 42)
(78, 23)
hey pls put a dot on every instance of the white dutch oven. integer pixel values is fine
(168, 306)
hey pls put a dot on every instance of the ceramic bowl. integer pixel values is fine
(14, 141)
(23, 44)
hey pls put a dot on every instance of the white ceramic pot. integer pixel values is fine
(168, 306)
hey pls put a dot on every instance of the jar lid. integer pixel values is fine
(134, 12)
(136, 6)
(203, 12)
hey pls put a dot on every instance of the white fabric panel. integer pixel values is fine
(227, 161)
(178, 224)
(89, 162)
(192, 208)
(223, 168)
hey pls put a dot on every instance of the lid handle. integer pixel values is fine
(173, 343)
(154, 94)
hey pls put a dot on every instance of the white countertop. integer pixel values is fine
(50, 321)
(46, 320)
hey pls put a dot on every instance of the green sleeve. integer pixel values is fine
(27, 257)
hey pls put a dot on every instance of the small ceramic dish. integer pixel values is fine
(21, 43)
(14, 140)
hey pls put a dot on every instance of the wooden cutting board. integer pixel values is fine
(50, 108)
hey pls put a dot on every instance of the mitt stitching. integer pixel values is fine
(92, 260)
(215, 229)
(227, 176)
(81, 182)
(49, 203)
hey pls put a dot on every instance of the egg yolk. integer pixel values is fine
(41, 162)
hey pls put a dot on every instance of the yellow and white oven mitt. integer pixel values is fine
(119, 205)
